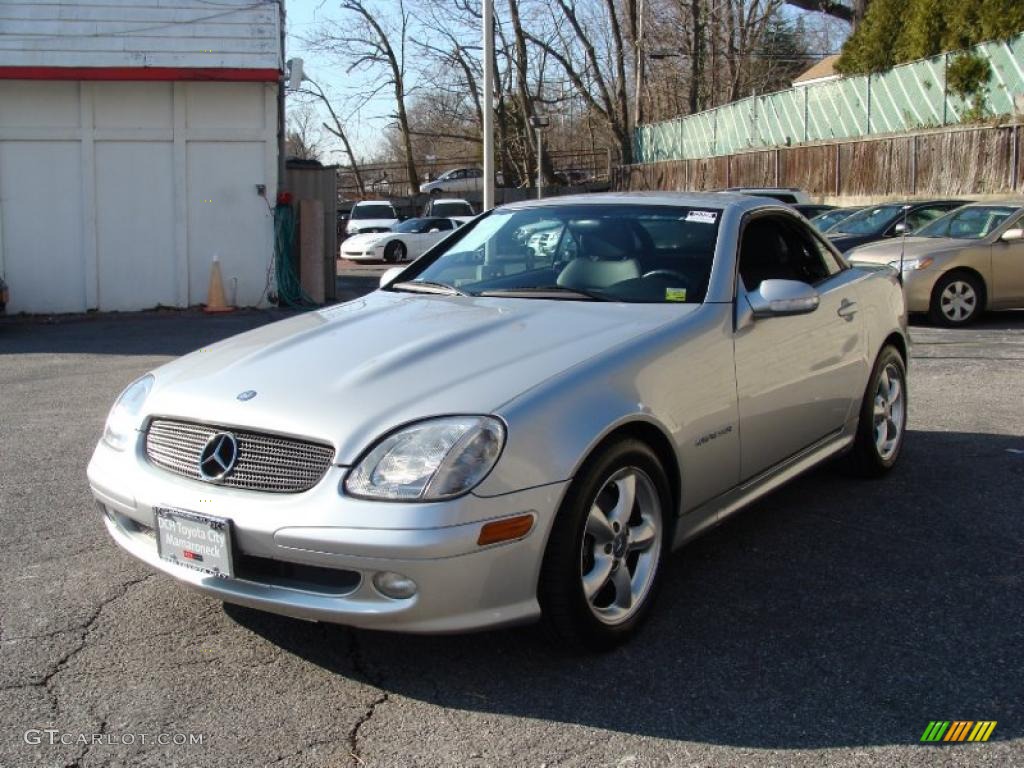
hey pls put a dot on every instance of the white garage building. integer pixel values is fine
(135, 139)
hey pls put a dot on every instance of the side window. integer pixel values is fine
(475, 173)
(774, 248)
(920, 217)
(442, 224)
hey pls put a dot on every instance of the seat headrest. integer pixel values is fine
(586, 273)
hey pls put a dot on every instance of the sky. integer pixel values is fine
(364, 128)
(302, 19)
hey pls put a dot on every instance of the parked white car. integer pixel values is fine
(450, 208)
(371, 216)
(405, 242)
(455, 180)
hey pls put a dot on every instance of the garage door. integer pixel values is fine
(116, 195)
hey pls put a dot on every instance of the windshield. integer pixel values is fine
(972, 223)
(632, 253)
(411, 226)
(829, 219)
(870, 221)
(451, 209)
(373, 211)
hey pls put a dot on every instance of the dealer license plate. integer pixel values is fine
(195, 541)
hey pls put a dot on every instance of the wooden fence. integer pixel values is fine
(980, 160)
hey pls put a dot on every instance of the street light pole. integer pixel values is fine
(488, 106)
(539, 123)
(639, 63)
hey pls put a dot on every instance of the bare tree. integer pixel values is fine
(303, 139)
(337, 128)
(368, 44)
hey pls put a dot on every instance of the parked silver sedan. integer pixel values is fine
(500, 433)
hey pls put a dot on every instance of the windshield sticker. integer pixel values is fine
(703, 217)
(675, 294)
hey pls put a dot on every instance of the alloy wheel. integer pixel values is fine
(621, 545)
(889, 411)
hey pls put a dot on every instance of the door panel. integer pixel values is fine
(135, 225)
(797, 377)
(1008, 272)
(227, 218)
(41, 206)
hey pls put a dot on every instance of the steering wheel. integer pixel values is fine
(669, 273)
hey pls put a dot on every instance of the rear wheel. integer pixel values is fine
(394, 251)
(883, 417)
(602, 565)
(957, 299)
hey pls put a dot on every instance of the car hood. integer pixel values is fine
(913, 247)
(367, 223)
(349, 373)
(362, 242)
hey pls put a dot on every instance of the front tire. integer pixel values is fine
(602, 566)
(883, 417)
(957, 299)
(394, 251)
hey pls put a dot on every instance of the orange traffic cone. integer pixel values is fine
(215, 295)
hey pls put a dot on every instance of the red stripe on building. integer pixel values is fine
(163, 74)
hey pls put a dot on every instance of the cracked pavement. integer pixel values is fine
(826, 625)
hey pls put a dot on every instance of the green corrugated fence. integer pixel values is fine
(906, 97)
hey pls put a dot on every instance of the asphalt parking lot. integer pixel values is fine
(827, 625)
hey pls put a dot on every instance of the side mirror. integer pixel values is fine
(435, 229)
(1012, 235)
(777, 298)
(390, 275)
(899, 229)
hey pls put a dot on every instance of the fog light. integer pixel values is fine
(394, 585)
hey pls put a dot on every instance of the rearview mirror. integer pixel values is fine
(776, 298)
(390, 275)
(1016, 233)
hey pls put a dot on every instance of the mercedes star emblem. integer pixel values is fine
(219, 456)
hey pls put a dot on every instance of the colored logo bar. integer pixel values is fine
(958, 730)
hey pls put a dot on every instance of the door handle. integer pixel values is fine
(847, 309)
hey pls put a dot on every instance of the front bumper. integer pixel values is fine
(461, 586)
(918, 286)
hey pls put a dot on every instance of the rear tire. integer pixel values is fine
(958, 299)
(883, 418)
(603, 562)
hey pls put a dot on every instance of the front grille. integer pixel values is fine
(267, 463)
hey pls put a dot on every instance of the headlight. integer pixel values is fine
(912, 265)
(125, 413)
(430, 460)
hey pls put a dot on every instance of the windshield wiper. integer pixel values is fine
(428, 286)
(545, 291)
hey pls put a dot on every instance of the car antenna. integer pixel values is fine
(903, 241)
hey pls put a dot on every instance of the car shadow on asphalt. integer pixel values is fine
(836, 612)
(158, 332)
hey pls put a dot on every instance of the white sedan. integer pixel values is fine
(406, 241)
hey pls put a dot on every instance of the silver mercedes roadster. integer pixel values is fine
(521, 424)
